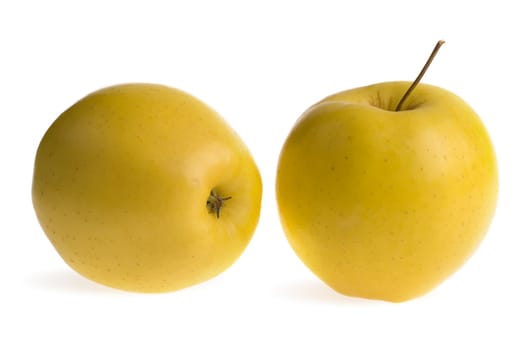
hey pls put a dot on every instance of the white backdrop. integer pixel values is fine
(260, 64)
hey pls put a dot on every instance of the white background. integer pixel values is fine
(260, 64)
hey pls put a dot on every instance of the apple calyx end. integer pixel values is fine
(215, 203)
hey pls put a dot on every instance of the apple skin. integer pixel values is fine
(382, 204)
(121, 183)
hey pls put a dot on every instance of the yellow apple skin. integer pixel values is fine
(121, 183)
(382, 204)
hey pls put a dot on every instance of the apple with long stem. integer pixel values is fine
(386, 190)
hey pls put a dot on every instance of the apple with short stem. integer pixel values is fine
(143, 187)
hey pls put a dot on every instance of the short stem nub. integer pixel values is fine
(215, 203)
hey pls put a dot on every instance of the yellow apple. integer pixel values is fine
(386, 204)
(143, 187)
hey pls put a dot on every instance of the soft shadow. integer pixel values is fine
(311, 291)
(67, 281)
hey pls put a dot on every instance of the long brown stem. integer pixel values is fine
(420, 75)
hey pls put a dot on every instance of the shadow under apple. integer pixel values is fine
(67, 281)
(314, 291)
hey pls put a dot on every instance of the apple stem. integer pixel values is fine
(420, 75)
(215, 203)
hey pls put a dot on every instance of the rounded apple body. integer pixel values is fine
(126, 183)
(382, 204)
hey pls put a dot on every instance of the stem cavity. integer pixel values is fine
(420, 75)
